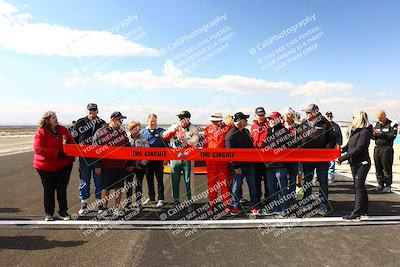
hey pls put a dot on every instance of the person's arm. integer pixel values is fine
(361, 146)
(391, 135)
(68, 136)
(170, 132)
(206, 139)
(345, 148)
(194, 138)
(40, 147)
(230, 143)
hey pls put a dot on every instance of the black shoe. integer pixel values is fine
(351, 217)
(64, 216)
(379, 188)
(106, 214)
(49, 218)
(190, 208)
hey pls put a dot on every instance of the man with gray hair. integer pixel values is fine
(316, 133)
(384, 133)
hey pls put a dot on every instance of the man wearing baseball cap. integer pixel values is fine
(316, 133)
(240, 137)
(259, 132)
(279, 137)
(337, 133)
(83, 132)
(218, 172)
(182, 135)
(112, 171)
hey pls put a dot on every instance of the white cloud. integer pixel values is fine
(343, 107)
(321, 88)
(173, 78)
(20, 36)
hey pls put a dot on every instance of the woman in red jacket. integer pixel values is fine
(53, 166)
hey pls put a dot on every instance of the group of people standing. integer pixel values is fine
(272, 131)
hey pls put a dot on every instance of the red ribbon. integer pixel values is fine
(219, 154)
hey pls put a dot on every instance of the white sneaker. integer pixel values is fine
(83, 210)
(387, 189)
(322, 210)
(147, 201)
(118, 212)
(243, 200)
(160, 203)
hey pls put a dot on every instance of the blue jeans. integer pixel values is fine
(331, 170)
(86, 171)
(321, 169)
(277, 180)
(248, 172)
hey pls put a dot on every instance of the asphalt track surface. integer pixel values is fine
(368, 243)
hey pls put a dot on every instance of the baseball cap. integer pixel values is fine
(92, 106)
(260, 111)
(275, 115)
(239, 116)
(117, 114)
(184, 114)
(311, 108)
(329, 113)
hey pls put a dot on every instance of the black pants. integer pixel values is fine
(52, 182)
(155, 168)
(359, 172)
(383, 158)
(139, 173)
(260, 175)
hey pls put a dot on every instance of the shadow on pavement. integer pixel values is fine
(34, 243)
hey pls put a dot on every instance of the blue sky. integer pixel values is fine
(45, 47)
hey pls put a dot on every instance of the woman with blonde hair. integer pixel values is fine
(53, 166)
(356, 152)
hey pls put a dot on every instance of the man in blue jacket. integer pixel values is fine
(154, 134)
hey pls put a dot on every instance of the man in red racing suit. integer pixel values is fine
(218, 172)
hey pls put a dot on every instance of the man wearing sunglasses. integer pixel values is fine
(83, 132)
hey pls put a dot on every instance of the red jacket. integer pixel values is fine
(215, 137)
(259, 132)
(47, 146)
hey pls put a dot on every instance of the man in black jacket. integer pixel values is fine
(384, 133)
(337, 133)
(316, 132)
(83, 133)
(239, 137)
